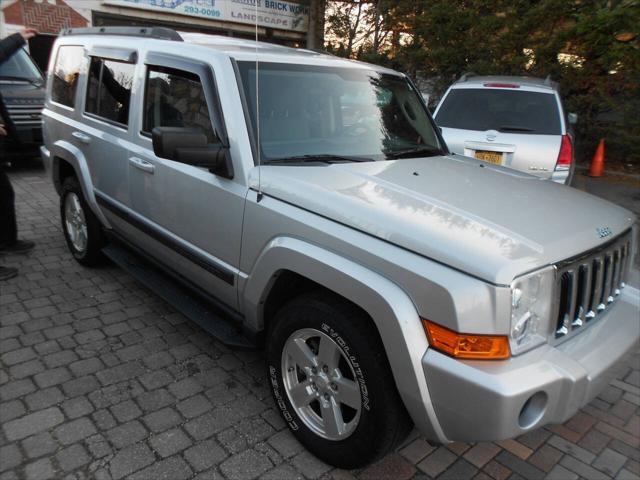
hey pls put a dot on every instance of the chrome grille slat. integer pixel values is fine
(588, 285)
(26, 114)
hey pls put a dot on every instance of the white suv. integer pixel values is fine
(517, 122)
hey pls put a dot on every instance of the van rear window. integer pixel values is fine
(510, 111)
(66, 72)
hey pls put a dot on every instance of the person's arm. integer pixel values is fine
(11, 44)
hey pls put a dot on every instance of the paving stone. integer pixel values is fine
(609, 462)
(98, 446)
(16, 389)
(460, 469)
(80, 386)
(52, 377)
(392, 466)
(129, 460)
(194, 406)
(125, 411)
(174, 468)
(545, 458)
(285, 444)
(582, 469)
(437, 462)
(38, 445)
(481, 453)
(58, 359)
(10, 410)
(594, 441)
(86, 366)
(162, 419)
(34, 423)
(77, 407)
(40, 470)
(151, 401)
(127, 434)
(74, 430)
(18, 356)
(44, 398)
(572, 449)
(72, 457)
(284, 472)
(518, 465)
(204, 455)
(10, 457)
(26, 369)
(246, 465)
(170, 442)
(417, 450)
(156, 379)
(558, 472)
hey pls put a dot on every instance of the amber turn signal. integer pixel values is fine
(467, 346)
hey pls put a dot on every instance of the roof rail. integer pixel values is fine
(465, 75)
(161, 33)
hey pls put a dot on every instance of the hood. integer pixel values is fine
(22, 93)
(490, 222)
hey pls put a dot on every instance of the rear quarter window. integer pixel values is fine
(66, 72)
(509, 111)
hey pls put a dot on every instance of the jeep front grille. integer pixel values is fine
(588, 285)
(26, 115)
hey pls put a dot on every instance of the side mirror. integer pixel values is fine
(573, 118)
(190, 146)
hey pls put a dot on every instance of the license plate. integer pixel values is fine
(491, 157)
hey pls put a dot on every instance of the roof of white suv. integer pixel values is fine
(476, 81)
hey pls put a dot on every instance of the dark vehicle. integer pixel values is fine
(22, 88)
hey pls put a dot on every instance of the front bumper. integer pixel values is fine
(485, 401)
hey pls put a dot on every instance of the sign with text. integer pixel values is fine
(270, 13)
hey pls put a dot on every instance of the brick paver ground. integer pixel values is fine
(99, 378)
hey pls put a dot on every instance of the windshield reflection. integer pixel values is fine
(307, 110)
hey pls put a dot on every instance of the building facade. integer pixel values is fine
(277, 21)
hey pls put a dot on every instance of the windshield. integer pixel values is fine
(314, 111)
(511, 111)
(20, 66)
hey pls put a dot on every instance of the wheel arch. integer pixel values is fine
(68, 160)
(293, 262)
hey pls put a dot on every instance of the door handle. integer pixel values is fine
(81, 137)
(142, 164)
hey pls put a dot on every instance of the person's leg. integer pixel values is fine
(8, 226)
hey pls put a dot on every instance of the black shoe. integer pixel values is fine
(7, 272)
(19, 246)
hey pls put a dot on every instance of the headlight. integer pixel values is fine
(531, 299)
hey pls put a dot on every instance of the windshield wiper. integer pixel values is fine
(415, 152)
(326, 158)
(33, 81)
(514, 128)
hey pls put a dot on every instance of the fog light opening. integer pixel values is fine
(532, 410)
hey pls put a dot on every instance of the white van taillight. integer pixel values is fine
(565, 157)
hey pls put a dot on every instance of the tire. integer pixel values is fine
(75, 214)
(325, 323)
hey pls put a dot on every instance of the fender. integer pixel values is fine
(61, 149)
(392, 311)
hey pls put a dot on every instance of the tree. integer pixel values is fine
(590, 47)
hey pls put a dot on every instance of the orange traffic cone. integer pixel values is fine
(597, 164)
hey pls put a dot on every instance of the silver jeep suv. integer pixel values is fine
(307, 204)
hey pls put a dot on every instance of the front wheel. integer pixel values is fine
(332, 383)
(81, 228)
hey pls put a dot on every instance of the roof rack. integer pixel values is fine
(161, 33)
(466, 75)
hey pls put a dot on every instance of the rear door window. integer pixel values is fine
(509, 111)
(109, 90)
(66, 72)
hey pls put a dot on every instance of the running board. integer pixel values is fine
(180, 297)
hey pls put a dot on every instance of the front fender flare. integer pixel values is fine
(63, 150)
(392, 311)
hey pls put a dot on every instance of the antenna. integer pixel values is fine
(258, 148)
